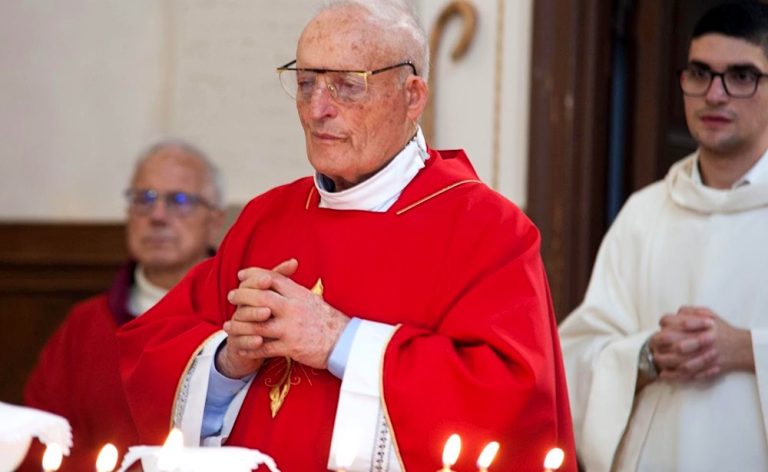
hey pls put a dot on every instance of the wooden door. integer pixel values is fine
(45, 268)
(573, 72)
(658, 133)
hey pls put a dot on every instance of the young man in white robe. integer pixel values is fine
(667, 357)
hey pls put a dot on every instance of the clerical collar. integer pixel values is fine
(379, 192)
(756, 174)
(144, 294)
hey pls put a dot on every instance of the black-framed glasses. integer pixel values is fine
(343, 85)
(738, 81)
(142, 201)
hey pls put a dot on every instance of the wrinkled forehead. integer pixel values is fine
(344, 39)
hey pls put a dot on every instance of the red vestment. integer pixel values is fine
(453, 263)
(77, 376)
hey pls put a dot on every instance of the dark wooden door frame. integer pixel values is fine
(570, 101)
(44, 269)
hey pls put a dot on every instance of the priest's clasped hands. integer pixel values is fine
(276, 317)
(695, 343)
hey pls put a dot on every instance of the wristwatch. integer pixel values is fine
(646, 364)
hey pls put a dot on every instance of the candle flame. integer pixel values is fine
(451, 450)
(554, 459)
(175, 440)
(169, 453)
(488, 454)
(107, 459)
(52, 457)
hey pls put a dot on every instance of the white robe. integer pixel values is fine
(674, 243)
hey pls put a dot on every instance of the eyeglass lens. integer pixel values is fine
(143, 200)
(343, 86)
(738, 82)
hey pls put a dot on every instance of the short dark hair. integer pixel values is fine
(747, 20)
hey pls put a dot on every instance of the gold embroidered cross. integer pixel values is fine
(278, 393)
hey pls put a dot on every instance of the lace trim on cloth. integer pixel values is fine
(183, 388)
(382, 452)
(181, 400)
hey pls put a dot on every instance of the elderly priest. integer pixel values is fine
(393, 297)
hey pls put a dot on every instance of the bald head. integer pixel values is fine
(389, 27)
(349, 140)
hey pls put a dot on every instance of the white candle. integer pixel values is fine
(487, 456)
(107, 459)
(451, 452)
(554, 459)
(173, 456)
(52, 457)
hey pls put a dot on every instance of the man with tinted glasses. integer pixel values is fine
(174, 217)
(667, 357)
(369, 311)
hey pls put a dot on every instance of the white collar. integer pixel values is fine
(379, 192)
(756, 174)
(144, 294)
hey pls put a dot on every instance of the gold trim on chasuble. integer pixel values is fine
(412, 205)
(309, 197)
(278, 392)
(436, 194)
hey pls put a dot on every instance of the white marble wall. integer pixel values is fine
(85, 84)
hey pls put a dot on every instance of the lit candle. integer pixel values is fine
(174, 456)
(171, 451)
(451, 452)
(52, 457)
(487, 456)
(107, 459)
(554, 459)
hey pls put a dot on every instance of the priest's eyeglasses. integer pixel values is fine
(142, 201)
(738, 81)
(343, 85)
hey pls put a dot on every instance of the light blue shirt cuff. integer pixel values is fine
(337, 362)
(221, 392)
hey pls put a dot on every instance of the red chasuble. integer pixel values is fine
(453, 263)
(78, 377)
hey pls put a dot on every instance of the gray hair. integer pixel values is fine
(213, 175)
(394, 14)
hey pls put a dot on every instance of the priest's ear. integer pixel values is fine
(416, 95)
